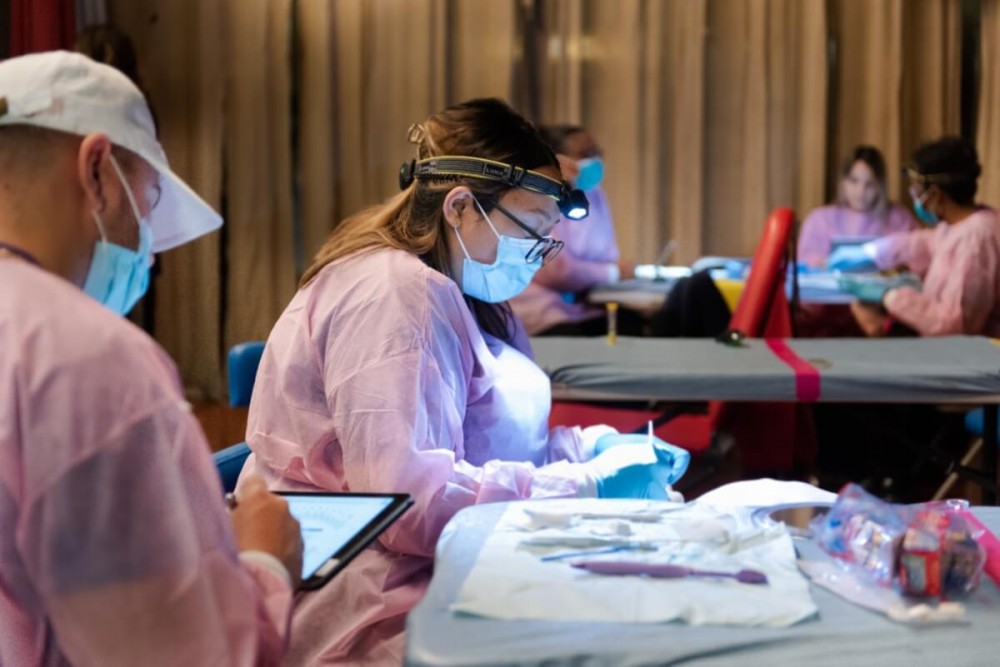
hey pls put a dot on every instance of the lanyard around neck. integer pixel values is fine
(17, 252)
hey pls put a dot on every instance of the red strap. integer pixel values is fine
(806, 376)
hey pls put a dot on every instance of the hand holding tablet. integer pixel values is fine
(336, 527)
(262, 522)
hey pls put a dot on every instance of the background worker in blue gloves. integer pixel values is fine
(957, 256)
(862, 210)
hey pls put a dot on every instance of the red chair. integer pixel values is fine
(764, 432)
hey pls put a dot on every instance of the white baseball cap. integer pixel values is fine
(69, 92)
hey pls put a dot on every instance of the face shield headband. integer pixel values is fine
(572, 203)
(911, 172)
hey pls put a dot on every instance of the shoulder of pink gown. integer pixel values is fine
(59, 324)
(820, 215)
(375, 282)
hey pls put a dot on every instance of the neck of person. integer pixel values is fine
(43, 244)
(956, 213)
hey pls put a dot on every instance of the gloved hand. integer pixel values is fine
(590, 436)
(804, 269)
(632, 471)
(864, 290)
(852, 258)
(677, 459)
(872, 289)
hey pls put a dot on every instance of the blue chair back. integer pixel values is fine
(241, 365)
(229, 462)
(974, 422)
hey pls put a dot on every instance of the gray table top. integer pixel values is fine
(843, 634)
(961, 369)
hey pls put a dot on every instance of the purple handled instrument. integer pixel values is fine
(665, 570)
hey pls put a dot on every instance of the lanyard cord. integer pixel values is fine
(14, 250)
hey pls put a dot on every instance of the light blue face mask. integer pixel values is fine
(591, 173)
(922, 212)
(507, 276)
(118, 276)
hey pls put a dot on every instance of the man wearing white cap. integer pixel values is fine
(115, 546)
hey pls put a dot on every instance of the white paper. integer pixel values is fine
(510, 581)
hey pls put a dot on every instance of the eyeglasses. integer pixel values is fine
(545, 247)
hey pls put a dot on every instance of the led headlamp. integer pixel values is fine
(572, 203)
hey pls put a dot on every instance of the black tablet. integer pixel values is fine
(336, 527)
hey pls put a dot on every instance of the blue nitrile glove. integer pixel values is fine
(738, 269)
(872, 289)
(852, 258)
(804, 269)
(631, 471)
(865, 289)
(679, 458)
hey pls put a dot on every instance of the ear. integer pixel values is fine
(457, 204)
(95, 149)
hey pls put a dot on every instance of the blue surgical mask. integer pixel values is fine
(507, 276)
(591, 173)
(922, 212)
(119, 276)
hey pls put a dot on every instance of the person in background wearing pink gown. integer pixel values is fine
(115, 545)
(862, 212)
(552, 305)
(863, 209)
(398, 367)
(957, 257)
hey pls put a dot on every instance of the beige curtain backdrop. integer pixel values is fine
(710, 112)
(371, 69)
(185, 78)
(899, 77)
(988, 122)
(259, 237)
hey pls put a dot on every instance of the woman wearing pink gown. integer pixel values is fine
(863, 209)
(398, 367)
(957, 257)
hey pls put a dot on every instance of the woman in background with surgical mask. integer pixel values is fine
(399, 368)
(863, 209)
(590, 257)
(957, 259)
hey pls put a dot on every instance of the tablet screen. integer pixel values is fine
(331, 522)
(841, 241)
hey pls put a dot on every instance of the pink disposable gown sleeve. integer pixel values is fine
(814, 239)
(959, 299)
(911, 249)
(127, 543)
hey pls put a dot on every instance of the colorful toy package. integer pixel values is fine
(939, 556)
(927, 550)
